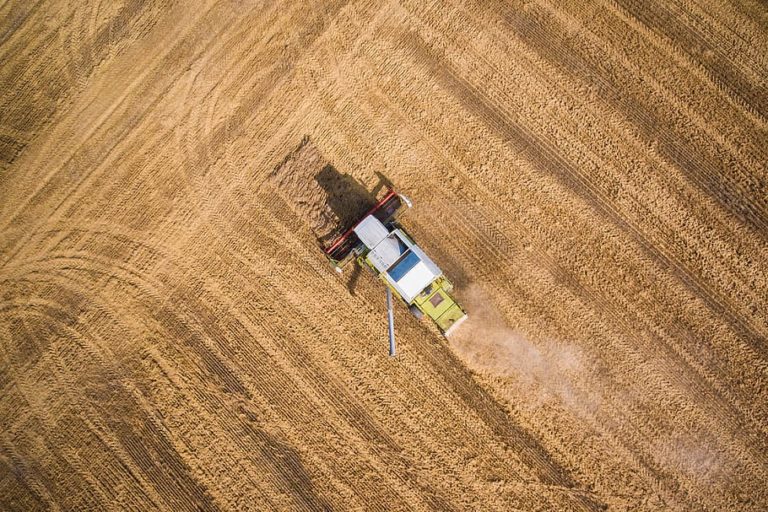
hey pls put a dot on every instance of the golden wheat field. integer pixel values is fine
(592, 176)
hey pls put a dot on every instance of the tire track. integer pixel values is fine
(668, 25)
(141, 456)
(294, 314)
(526, 445)
(332, 391)
(213, 367)
(237, 119)
(487, 410)
(292, 344)
(745, 202)
(49, 183)
(37, 99)
(635, 204)
(67, 322)
(198, 314)
(743, 39)
(487, 222)
(16, 492)
(483, 264)
(16, 20)
(548, 160)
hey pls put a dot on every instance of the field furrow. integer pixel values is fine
(591, 176)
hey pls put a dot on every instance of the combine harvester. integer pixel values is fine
(377, 242)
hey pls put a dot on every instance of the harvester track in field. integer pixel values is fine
(590, 175)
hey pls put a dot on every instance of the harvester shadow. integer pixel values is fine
(349, 200)
(346, 197)
(352, 282)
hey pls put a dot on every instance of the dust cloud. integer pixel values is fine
(545, 369)
(696, 456)
(553, 372)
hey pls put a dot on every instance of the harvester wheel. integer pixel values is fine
(416, 311)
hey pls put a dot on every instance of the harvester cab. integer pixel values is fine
(377, 242)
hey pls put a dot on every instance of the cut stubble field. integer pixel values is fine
(592, 176)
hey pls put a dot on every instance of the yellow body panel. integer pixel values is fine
(438, 304)
(435, 300)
